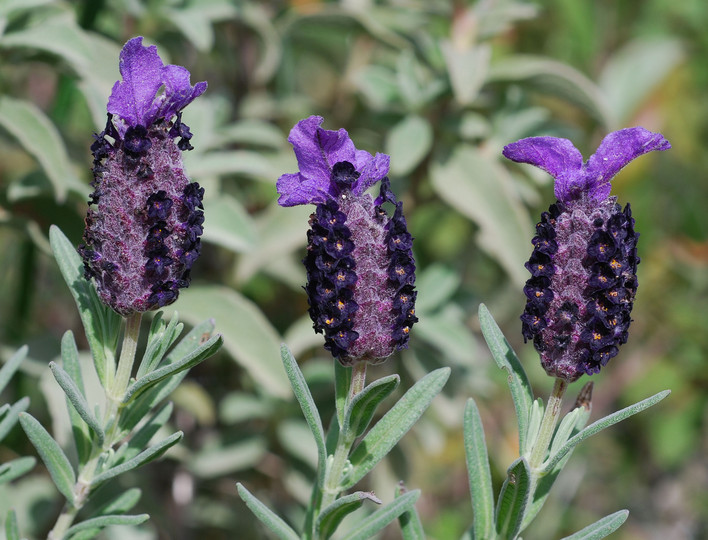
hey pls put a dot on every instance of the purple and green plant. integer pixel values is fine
(142, 236)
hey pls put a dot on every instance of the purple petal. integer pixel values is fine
(615, 151)
(295, 189)
(177, 94)
(140, 68)
(558, 157)
(372, 170)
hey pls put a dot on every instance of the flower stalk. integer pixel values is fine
(548, 424)
(127, 357)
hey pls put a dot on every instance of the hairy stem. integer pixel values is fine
(548, 424)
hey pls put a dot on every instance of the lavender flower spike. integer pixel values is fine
(145, 217)
(584, 263)
(360, 267)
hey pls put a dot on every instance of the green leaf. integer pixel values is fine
(266, 516)
(160, 338)
(8, 6)
(601, 424)
(12, 529)
(38, 136)
(144, 403)
(230, 162)
(79, 428)
(8, 370)
(105, 521)
(382, 517)
(330, 517)
(518, 382)
(364, 404)
(77, 399)
(467, 68)
(553, 77)
(151, 379)
(229, 225)
(121, 504)
(101, 323)
(409, 521)
(16, 468)
(479, 474)
(513, 498)
(52, 455)
(478, 187)
(309, 409)
(142, 458)
(142, 437)
(249, 337)
(394, 424)
(601, 528)
(10, 417)
(408, 142)
(342, 380)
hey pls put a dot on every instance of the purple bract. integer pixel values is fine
(584, 263)
(145, 217)
(360, 267)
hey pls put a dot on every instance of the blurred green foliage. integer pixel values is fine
(441, 86)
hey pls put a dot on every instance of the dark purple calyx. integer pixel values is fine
(582, 286)
(360, 273)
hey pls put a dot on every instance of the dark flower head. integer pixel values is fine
(584, 263)
(145, 217)
(360, 267)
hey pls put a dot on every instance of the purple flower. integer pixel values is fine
(360, 267)
(584, 262)
(145, 217)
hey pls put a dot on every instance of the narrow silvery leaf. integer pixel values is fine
(513, 499)
(77, 399)
(12, 529)
(564, 429)
(480, 477)
(101, 323)
(80, 428)
(535, 416)
(309, 409)
(330, 517)
(151, 379)
(601, 424)
(160, 338)
(52, 455)
(141, 459)
(506, 359)
(382, 517)
(266, 516)
(409, 521)
(121, 504)
(105, 521)
(601, 528)
(364, 404)
(342, 379)
(142, 437)
(16, 468)
(10, 418)
(394, 424)
(8, 370)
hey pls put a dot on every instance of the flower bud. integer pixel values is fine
(584, 262)
(360, 267)
(145, 218)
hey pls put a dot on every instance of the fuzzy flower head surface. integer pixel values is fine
(584, 262)
(360, 267)
(145, 217)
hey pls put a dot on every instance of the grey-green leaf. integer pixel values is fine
(330, 517)
(16, 468)
(79, 427)
(104, 521)
(506, 359)
(601, 424)
(8, 370)
(513, 499)
(12, 529)
(394, 424)
(10, 417)
(364, 404)
(408, 142)
(409, 521)
(601, 528)
(307, 404)
(77, 399)
(52, 455)
(230, 225)
(142, 437)
(142, 458)
(382, 517)
(266, 516)
(479, 474)
(160, 339)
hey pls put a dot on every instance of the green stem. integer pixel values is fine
(127, 357)
(548, 424)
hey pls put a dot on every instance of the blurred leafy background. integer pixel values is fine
(441, 86)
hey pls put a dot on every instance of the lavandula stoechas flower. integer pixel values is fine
(360, 267)
(145, 218)
(584, 263)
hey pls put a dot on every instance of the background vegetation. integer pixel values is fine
(441, 86)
